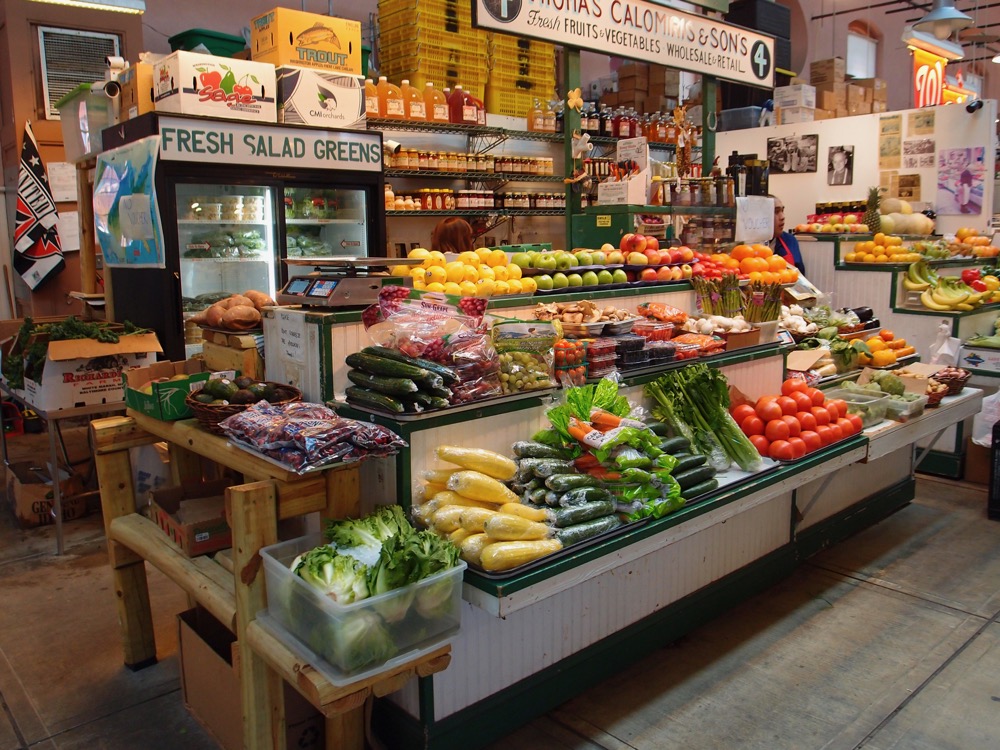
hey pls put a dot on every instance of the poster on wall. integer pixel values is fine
(918, 153)
(909, 187)
(888, 182)
(889, 152)
(920, 123)
(794, 154)
(960, 180)
(840, 166)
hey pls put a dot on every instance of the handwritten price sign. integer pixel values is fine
(754, 219)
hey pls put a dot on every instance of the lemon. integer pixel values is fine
(418, 274)
(528, 285)
(485, 272)
(469, 257)
(436, 274)
(500, 273)
(513, 271)
(468, 289)
(484, 287)
(418, 252)
(399, 271)
(452, 287)
(501, 287)
(483, 253)
(419, 284)
(470, 272)
(434, 258)
(435, 287)
(515, 286)
(496, 258)
(455, 271)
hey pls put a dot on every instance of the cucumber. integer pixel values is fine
(694, 476)
(659, 428)
(675, 445)
(700, 489)
(376, 365)
(429, 401)
(583, 495)
(567, 482)
(563, 517)
(364, 397)
(446, 373)
(412, 407)
(437, 391)
(548, 467)
(688, 461)
(531, 449)
(581, 531)
(552, 498)
(382, 383)
(537, 496)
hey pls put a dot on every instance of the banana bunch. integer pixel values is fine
(951, 294)
(919, 277)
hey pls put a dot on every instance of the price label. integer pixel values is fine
(604, 220)
(754, 219)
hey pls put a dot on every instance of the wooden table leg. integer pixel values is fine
(255, 525)
(185, 465)
(114, 476)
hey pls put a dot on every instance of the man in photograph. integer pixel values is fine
(839, 172)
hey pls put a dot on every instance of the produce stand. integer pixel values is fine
(233, 589)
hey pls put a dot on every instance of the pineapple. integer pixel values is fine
(872, 217)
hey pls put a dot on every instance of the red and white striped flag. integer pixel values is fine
(38, 253)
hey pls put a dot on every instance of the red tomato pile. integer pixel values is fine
(799, 421)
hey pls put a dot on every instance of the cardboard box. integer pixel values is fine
(629, 192)
(164, 400)
(81, 372)
(31, 498)
(977, 463)
(824, 114)
(320, 98)
(832, 70)
(795, 96)
(210, 686)
(796, 81)
(194, 516)
(790, 115)
(878, 106)
(246, 361)
(855, 95)
(878, 88)
(284, 36)
(859, 108)
(979, 358)
(831, 96)
(137, 90)
(189, 83)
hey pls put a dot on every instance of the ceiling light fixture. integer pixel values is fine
(118, 6)
(929, 43)
(944, 20)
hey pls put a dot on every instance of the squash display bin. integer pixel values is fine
(358, 639)
(217, 43)
(84, 112)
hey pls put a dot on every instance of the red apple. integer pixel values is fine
(676, 255)
(687, 254)
(648, 274)
(625, 244)
(630, 275)
(652, 243)
(676, 274)
(663, 274)
(654, 256)
(636, 243)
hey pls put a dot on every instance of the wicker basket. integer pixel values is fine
(934, 398)
(210, 415)
(955, 385)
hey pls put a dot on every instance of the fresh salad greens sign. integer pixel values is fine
(260, 145)
(639, 30)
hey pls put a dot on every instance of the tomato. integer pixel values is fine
(752, 425)
(769, 410)
(833, 410)
(821, 414)
(761, 443)
(846, 426)
(763, 400)
(741, 412)
(780, 450)
(794, 428)
(825, 436)
(776, 429)
(887, 335)
(806, 419)
(841, 407)
(798, 446)
(836, 432)
(812, 440)
(856, 421)
(817, 396)
(787, 404)
(802, 401)
(793, 385)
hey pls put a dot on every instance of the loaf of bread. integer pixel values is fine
(241, 318)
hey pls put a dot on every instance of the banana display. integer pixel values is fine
(943, 293)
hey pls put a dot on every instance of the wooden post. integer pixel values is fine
(255, 525)
(185, 465)
(85, 206)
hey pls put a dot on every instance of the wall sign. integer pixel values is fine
(638, 30)
(928, 78)
(754, 219)
(263, 145)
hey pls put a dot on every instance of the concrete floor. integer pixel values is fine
(889, 640)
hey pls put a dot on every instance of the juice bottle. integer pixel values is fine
(390, 100)
(372, 108)
(435, 104)
(616, 124)
(606, 120)
(413, 102)
(661, 129)
(480, 108)
(457, 107)
(535, 116)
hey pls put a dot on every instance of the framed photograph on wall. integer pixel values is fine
(840, 166)
(794, 154)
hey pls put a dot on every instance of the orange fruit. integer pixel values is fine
(769, 277)
(886, 335)
(762, 251)
(754, 276)
(742, 251)
(776, 263)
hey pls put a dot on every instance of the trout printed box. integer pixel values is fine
(307, 40)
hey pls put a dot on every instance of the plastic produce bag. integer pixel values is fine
(526, 354)
(982, 425)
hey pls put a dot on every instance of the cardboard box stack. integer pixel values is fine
(794, 104)
(642, 86)
(837, 96)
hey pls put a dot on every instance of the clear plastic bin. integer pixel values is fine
(739, 119)
(869, 407)
(903, 411)
(85, 112)
(378, 629)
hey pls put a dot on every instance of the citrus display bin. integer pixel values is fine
(869, 407)
(414, 617)
(84, 112)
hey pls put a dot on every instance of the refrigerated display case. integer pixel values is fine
(234, 200)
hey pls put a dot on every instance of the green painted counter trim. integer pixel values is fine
(723, 497)
(593, 292)
(750, 354)
(858, 517)
(497, 716)
(942, 464)
(405, 429)
(672, 210)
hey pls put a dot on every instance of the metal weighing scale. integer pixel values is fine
(341, 282)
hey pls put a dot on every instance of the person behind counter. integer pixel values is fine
(784, 243)
(452, 235)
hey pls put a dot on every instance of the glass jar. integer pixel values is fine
(424, 160)
(432, 161)
(399, 204)
(462, 200)
(461, 163)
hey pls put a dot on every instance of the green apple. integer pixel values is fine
(559, 281)
(605, 277)
(546, 262)
(565, 261)
(544, 282)
(618, 276)
(599, 258)
(584, 258)
(521, 259)
(591, 279)
(575, 279)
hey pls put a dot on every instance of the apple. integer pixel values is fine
(591, 279)
(677, 255)
(618, 276)
(559, 281)
(633, 243)
(615, 257)
(652, 243)
(676, 274)
(605, 277)
(544, 282)
(662, 273)
(686, 271)
(653, 256)
(626, 240)
(575, 279)
(802, 228)
(599, 257)
(851, 218)
(607, 247)
(631, 276)
(565, 261)
(815, 227)
(546, 262)
(863, 228)
(834, 219)
(648, 274)
(637, 259)
(521, 259)
(687, 254)
(584, 258)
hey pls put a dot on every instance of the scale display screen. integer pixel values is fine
(323, 288)
(297, 286)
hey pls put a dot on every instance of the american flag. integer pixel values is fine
(38, 254)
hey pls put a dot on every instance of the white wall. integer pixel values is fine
(954, 128)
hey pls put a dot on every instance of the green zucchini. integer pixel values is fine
(688, 461)
(531, 449)
(429, 401)
(581, 531)
(582, 495)
(552, 498)
(700, 489)
(567, 482)
(412, 407)
(364, 397)
(382, 383)
(563, 517)
(675, 445)
(694, 476)
(537, 496)
(376, 365)
(548, 467)
(659, 428)
(437, 391)
(444, 371)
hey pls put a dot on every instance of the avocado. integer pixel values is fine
(220, 402)
(258, 390)
(243, 381)
(269, 393)
(242, 396)
(225, 389)
(204, 398)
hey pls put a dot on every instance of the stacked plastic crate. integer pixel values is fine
(432, 40)
(520, 71)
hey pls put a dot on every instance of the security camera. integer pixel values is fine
(391, 147)
(974, 105)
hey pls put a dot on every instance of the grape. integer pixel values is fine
(371, 315)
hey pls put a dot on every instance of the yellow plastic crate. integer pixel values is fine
(430, 19)
(418, 55)
(501, 100)
(460, 8)
(544, 88)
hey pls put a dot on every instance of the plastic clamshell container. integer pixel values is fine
(660, 351)
(902, 411)
(633, 358)
(629, 343)
(653, 330)
(870, 408)
(582, 330)
(597, 348)
(618, 327)
(414, 617)
(84, 112)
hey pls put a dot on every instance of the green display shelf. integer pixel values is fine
(668, 210)
(482, 176)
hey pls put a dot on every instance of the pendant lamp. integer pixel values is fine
(944, 20)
